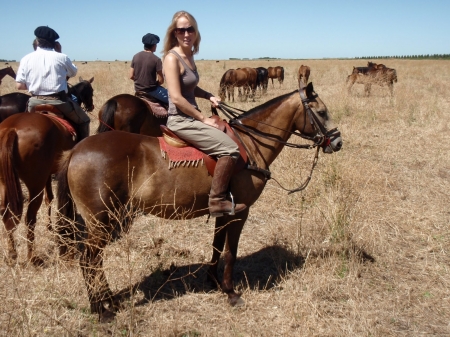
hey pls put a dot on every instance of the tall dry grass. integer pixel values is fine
(363, 251)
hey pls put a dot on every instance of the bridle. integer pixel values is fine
(321, 139)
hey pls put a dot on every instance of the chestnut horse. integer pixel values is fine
(7, 71)
(16, 102)
(110, 177)
(303, 74)
(31, 145)
(129, 113)
(241, 77)
(276, 72)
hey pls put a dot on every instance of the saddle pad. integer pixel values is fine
(184, 156)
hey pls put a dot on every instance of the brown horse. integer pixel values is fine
(129, 113)
(31, 145)
(241, 77)
(372, 74)
(276, 72)
(110, 177)
(7, 71)
(303, 74)
(16, 102)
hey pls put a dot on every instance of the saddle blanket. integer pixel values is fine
(184, 156)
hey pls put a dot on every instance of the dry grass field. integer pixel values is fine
(363, 251)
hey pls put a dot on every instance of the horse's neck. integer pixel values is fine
(3, 73)
(275, 121)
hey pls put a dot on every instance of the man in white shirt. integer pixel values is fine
(44, 74)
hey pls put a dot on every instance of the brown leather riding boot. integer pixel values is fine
(218, 204)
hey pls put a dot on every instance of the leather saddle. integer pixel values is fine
(210, 162)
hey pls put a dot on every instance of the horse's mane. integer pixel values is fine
(264, 106)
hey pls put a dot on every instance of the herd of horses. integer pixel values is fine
(107, 179)
(373, 74)
(249, 79)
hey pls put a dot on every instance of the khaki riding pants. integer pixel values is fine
(69, 109)
(206, 138)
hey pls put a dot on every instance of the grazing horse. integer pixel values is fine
(262, 79)
(276, 72)
(129, 113)
(241, 77)
(16, 102)
(303, 73)
(372, 74)
(111, 177)
(7, 71)
(31, 145)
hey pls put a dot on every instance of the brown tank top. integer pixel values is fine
(188, 82)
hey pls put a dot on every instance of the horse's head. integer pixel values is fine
(318, 123)
(85, 93)
(11, 72)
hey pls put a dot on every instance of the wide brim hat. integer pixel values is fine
(46, 33)
(150, 39)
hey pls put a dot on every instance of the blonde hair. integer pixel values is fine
(170, 39)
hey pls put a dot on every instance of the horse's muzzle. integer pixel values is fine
(334, 143)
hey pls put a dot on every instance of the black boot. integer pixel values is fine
(83, 131)
(218, 204)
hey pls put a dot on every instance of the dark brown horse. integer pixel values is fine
(111, 177)
(303, 73)
(262, 79)
(7, 71)
(16, 102)
(13, 103)
(241, 77)
(276, 72)
(129, 113)
(31, 145)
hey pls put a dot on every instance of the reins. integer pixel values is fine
(322, 137)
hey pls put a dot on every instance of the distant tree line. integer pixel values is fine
(412, 57)
(2, 60)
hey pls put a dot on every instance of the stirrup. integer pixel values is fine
(233, 205)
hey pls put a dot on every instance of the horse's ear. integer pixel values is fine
(91, 80)
(80, 79)
(309, 89)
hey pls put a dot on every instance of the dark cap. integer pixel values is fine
(150, 39)
(46, 33)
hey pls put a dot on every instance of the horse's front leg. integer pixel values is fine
(30, 221)
(218, 245)
(234, 227)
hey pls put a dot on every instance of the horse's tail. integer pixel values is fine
(66, 227)
(106, 116)
(13, 190)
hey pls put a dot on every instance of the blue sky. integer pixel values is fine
(112, 30)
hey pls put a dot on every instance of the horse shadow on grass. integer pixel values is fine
(261, 270)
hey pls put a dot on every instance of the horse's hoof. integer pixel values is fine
(236, 302)
(107, 316)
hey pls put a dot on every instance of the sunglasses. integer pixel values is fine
(183, 31)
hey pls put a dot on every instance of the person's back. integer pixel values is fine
(146, 70)
(44, 74)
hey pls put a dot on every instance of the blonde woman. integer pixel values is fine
(182, 41)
